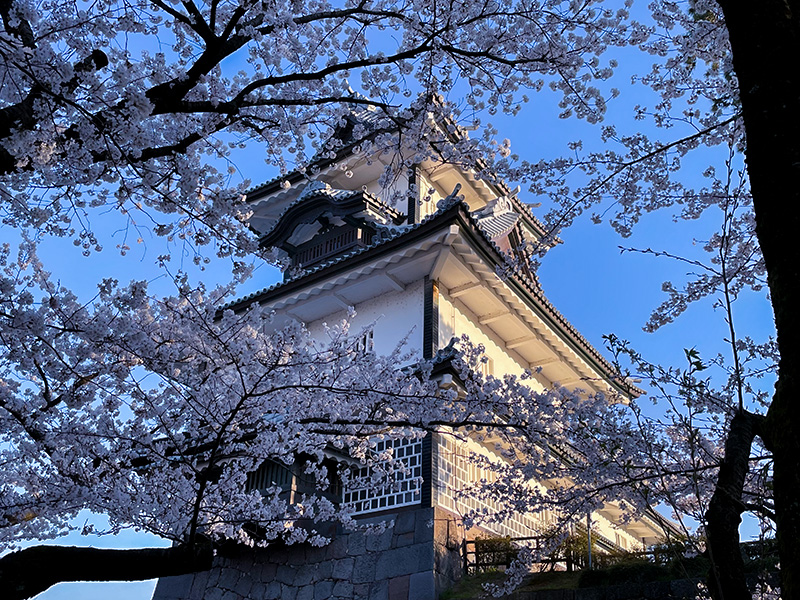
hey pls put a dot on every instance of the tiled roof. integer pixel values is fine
(393, 233)
(496, 225)
(390, 234)
(320, 188)
(369, 119)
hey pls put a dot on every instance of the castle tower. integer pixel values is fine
(434, 254)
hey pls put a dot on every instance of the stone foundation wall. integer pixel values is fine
(415, 560)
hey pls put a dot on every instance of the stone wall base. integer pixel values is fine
(414, 560)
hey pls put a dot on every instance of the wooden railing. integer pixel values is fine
(497, 554)
(330, 244)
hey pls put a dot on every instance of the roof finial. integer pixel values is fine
(450, 200)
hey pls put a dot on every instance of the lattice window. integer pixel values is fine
(456, 472)
(403, 491)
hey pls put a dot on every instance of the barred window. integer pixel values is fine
(404, 490)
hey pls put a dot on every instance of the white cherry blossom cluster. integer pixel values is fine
(153, 410)
(141, 106)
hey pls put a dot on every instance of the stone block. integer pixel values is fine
(447, 531)
(173, 588)
(215, 594)
(343, 568)
(305, 575)
(305, 593)
(328, 529)
(449, 564)
(213, 578)
(338, 547)
(422, 586)
(273, 591)
(400, 561)
(268, 570)
(379, 542)
(364, 568)
(405, 522)
(323, 590)
(285, 574)
(324, 570)
(288, 592)
(343, 589)
(199, 584)
(384, 518)
(398, 588)
(379, 590)
(423, 529)
(356, 543)
(425, 556)
(243, 586)
(361, 591)
(228, 578)
(259, 590)
(404, 539)
(316, 554)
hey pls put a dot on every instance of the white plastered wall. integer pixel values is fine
(429, 196)
(395, 315)
(454, 321)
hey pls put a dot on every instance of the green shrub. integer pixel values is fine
(689, 567)
(625, 571)
(760, 556)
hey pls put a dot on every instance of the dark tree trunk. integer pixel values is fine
(726, 580)
(28, 572)
(765, 38)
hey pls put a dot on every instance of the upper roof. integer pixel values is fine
(317, 199)
(364, 123)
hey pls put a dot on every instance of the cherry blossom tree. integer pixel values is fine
(151, 410)
(141, 97)
(768, 96)
(717, 76)
(138, 107)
